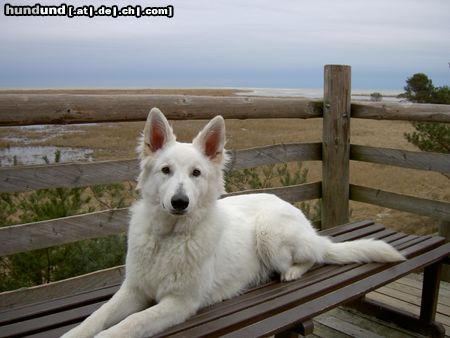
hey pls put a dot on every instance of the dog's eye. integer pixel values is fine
(165, 170)
(196, 172)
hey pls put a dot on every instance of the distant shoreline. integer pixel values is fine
(124, 91)
(306, 93)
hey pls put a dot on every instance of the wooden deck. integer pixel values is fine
(404, 294)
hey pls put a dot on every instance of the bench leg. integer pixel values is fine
(425, 324)
(305, 328)
(430, 292)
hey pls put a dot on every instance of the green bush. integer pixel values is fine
(376, 97)
(429, 136)
(269, 176)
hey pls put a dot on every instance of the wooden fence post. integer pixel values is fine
(336, 145)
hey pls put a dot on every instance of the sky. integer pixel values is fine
(245, 43)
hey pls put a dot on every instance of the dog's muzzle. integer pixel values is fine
(179, 202)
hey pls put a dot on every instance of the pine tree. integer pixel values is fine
(429, 136)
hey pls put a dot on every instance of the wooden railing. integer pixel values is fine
(335, 152)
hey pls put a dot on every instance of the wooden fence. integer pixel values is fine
(335, 152)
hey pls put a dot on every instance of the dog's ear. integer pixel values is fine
(157, 132)
(211, 140)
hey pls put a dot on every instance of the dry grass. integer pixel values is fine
(118, 141)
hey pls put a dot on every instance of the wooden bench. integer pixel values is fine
(275, 308)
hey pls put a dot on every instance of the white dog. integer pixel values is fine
(187, 248)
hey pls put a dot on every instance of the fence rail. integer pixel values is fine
(30, 109)
(414, 112)
(69, 175)
(401, 158)
(26, 178)
(421, 206)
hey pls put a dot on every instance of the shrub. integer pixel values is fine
(376, 97)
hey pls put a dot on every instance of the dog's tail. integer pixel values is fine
(361, 251)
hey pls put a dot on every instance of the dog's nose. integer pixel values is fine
(180, 202)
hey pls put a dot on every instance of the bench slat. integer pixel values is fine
(395, 236)
(419, 245)
(359, 233)
(340, 229)
(54, 320)
(56, 305)
(302, 312)
(56, 332)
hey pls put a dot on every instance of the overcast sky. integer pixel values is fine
(218, 43)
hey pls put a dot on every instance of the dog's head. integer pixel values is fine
(181, 177)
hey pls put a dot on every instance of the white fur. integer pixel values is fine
(181, 260)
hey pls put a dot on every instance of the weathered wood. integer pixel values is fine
(282, 153)
(405, 294)
(349, 329)
(402, 158)
(293, 193)
(67, 287)
(286, 334)
(444, 231)
(430, 292)
(421, 206)
(402, 318)
(44, 234)
(349, 323)
(30, 109)
(18, 108)
(402, 111)
(26, 178)
(336, 145)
